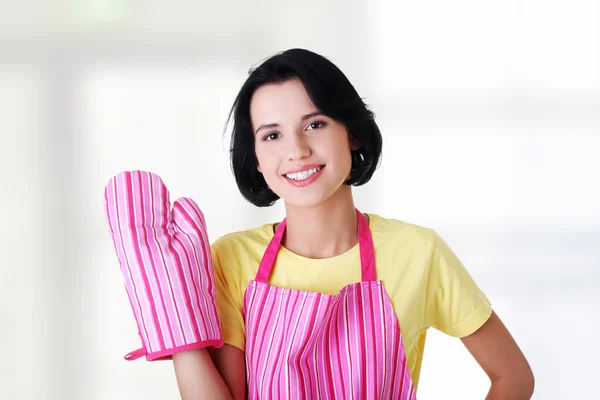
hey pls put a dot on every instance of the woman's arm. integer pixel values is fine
(197, 376)
(231, 364)
(498, 354)
(200, 377)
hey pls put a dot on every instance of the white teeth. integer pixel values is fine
(298, 176)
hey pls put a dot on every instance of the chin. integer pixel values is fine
(306, 200)
(308, 196)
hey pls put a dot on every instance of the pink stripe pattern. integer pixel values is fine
(164, 255)
(307, 345)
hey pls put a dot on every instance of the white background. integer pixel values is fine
(490, 113)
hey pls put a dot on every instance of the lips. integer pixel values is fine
(304, 175)
(303, 168)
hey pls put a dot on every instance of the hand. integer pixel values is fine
(166, 263)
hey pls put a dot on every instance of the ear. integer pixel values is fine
(354, 144)
(258, 168)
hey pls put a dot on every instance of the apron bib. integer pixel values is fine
(309, 345)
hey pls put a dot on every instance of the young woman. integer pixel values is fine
(331, 302)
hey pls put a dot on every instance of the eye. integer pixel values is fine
(270, 137)
(315, 125)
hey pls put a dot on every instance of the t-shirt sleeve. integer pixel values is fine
(454, 303)
(229, 301)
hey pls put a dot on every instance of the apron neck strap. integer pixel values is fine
(365, 242)
(268, 260)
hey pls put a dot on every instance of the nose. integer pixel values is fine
(298, 149)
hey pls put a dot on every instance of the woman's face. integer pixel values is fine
(303, 155)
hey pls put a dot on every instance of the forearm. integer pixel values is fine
(197, 376)
(510, 389)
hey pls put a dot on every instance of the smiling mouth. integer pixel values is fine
(300, 176)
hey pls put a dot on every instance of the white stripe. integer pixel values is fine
(153, 281)
(291, 344)
(357, 336)
(172, 273)
(215, 330)
(274, 294)
(347, 341)
(303, 339)
(383, 347)
(159, 259)
(333, 323)
(255, 323)
(366, 335)
(136, 276)
(193, 282)
(134, 296)
(314, 352)
(156, 285)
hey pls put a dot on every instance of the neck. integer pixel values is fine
(325, 230)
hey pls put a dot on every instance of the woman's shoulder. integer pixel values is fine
(243, 239)
(396, 230)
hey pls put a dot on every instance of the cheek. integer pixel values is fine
(263, 161)
(342, 150)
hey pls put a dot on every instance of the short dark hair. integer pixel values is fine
(333, 95)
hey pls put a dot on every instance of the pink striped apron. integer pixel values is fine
(308, 345)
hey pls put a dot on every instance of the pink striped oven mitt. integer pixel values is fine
(165, 259)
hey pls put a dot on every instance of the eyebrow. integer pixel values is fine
(274, 125)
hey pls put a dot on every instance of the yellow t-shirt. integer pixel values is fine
(426, 282)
